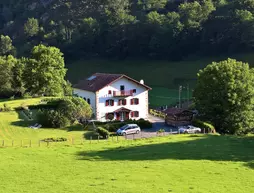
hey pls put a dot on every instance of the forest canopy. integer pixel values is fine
(160, 29)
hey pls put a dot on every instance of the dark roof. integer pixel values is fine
(99, 80)
(175, 111)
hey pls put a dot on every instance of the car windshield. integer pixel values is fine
(124, 127)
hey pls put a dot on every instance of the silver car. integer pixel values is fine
(189, 129)
(128, 129)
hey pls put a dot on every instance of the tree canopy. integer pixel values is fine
(224, 95)
(168, 29)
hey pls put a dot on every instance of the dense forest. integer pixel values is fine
(158, 29)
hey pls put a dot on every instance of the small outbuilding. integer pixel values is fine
(178, 117)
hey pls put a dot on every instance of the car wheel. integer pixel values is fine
(124, 134)
(137, 132)
(185, 132)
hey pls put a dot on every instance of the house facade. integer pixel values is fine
(114, 96)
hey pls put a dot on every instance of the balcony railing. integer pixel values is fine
(123, 93)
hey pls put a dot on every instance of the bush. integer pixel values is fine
(143, 124)
(59, 139)
(52, 119)
(6, 108)
(203, 125)
(103, 132)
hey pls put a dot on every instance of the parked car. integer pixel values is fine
(189, 129)
(128, 129)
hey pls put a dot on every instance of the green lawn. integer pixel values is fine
(163, 76)
(204, 164)
(15, 126)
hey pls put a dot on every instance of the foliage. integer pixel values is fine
(165, 29)
(53, 139)
(59, 113)
(6, 46)
(203, 125)
(224, 96)
(44, 73)
(103, 132)
(161, 130)
(31, 27)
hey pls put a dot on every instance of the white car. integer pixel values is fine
(189, 129)
(128, 129)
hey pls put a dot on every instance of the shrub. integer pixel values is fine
(143, 124)
(103, 132)
(52, 119)
(6, 108)
(59, 139)
(161, 130)
(203, 125)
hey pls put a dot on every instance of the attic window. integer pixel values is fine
(91, 77)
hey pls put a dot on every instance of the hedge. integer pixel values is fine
(204, 125)
(103, 132)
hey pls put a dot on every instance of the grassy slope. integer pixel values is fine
(168, 164)
(163, 76)
(15, 126)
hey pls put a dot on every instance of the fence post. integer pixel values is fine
(98, 138)
(117, 138)
(90, 139)
(204, 130)
(30, 144)
(133, 136)
(12, 143)
(47, 143)
(3, 143)
(171, 132)
(112, 138)
(72, 141)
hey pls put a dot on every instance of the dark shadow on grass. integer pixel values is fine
(214, 148)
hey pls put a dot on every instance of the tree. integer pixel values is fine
(17, 80)
(224, 95)
(31, 27)
(44, 73)
(6, 46)
(75, 108)
(6, 75)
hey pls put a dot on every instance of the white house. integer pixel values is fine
(115, 94)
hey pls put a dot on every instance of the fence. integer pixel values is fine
(26, 143)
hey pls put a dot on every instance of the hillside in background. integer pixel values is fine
(158, 29)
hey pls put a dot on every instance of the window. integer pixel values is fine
(109, 92)
(122, 88)
(110, 102)
(122, 102)
(134, 91)
(88, 101)
(135, 101)
(134, 114)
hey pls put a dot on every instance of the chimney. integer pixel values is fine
(142, 82)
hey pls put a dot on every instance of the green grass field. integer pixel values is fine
(163, 76)
(204, 164)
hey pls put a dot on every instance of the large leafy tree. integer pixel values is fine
(45, 71)
(225, 95)
(6, 75)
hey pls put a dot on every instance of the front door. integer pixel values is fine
(124, 116)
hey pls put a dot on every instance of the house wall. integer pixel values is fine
(141, 94)
(87, 95)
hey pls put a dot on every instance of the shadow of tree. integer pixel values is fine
(214, 148)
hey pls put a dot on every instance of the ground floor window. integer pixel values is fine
(134, 114)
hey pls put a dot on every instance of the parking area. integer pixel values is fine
(158, 123)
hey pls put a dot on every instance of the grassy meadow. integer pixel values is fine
(163, 76)
(184, 163)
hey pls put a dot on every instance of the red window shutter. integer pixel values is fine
(112, 102)
(119, 102)
(107, 102)
(106, 116)
(137, 114)
(131, 101)
(137, 102)
(132, 114)
(124, 102)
